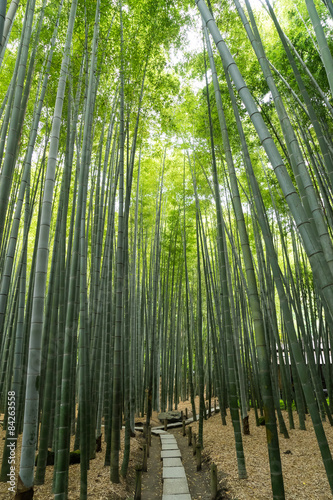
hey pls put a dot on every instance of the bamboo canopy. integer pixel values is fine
(166, 215)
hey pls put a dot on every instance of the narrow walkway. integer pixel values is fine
(151, 486)
(175, 485)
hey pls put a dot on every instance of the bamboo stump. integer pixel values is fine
(145, 458)
(149, 435)
(198, 456)
(98, 444)
(246, 426)
(213, 481)
(165, 424)
(194, 443)
(147, 444)
(138, 477)
(186, 413)
(189, 436)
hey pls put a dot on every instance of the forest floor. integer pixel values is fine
(303, 470)
(302, 466)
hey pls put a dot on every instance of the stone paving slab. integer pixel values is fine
(182, 496)
(158, 432)
(171, 446)
(170, 454)
(172, 462)
(175, 424)
(173, 472)
(175, 486)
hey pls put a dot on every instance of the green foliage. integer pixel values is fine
(283, 406)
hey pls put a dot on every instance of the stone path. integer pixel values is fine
(175, 485)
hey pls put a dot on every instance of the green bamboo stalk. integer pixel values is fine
(297, 354)
(324, 280)
(31, 407)
(325, 53)
(116, 403)
(14, 132)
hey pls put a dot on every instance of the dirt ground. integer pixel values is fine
(303, 470)
(199, 482)
(99, 485)
(152, 479)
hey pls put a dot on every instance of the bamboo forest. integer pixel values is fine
(166, 249)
